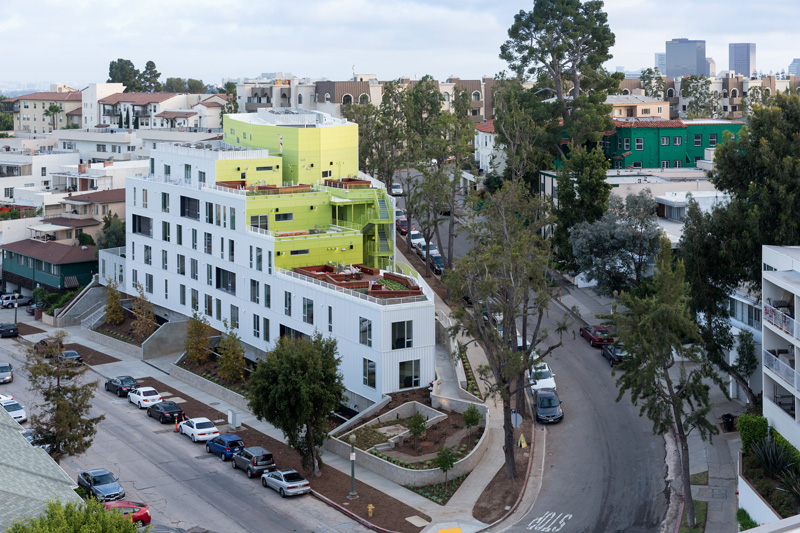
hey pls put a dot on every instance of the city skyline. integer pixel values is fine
(324, 39)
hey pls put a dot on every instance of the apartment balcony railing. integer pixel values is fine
(781, 320)
(782, 369)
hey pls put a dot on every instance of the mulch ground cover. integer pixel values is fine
(389, 513)
(123, 332)
(501, 493)
(90, 356)
(210, 370)
(26, 329)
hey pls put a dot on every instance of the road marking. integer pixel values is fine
(549, 522)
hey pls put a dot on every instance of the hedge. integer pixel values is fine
(752, 429)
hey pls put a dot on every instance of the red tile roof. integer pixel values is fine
(211, 104)
(100, 197)
(71, 222)
(74, 96)
(176, 114)
(649, 123)
(75, 112)
(52, 252)
(137, 98)
(485, 128)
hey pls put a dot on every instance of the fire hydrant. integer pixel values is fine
(370, 507)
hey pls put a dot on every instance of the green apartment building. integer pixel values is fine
(658, 143)
(30, 263)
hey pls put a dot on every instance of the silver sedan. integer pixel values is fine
(286, 482)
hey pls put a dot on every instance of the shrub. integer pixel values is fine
(790, 479)
(782, 502)
(773, 456)
(764, 488)
(794, 455)
(745, 522)
(752, 429)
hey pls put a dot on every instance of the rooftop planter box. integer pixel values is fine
(348, 183)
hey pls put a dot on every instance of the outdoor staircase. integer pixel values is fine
(383, 242)
(92, 320)
(383, 209)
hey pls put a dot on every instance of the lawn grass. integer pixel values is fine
(701, 478)
(700, 509)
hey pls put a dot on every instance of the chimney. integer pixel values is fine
(107, 163)
(82, 168)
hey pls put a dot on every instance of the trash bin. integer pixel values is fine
(727, 422)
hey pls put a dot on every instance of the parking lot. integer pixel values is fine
(183, 485)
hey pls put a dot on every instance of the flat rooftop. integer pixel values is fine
(292, 117)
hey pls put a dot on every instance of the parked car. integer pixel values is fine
(7, 300)
(16, 411)
(541, 377)
(4, 397)
(422, 248)
(143, 396)
(70, 356)
(31, 309)
(615, 354)
(548, 406)
(416, 238)
(397, 189)
(598, 335)
(121, 385)
(255, 461)
(6, 373)
(225, 446)
(8, 330)
(166, 411)
(286, 482)
(198, 429)
(101, 484)
(35, 438)
(138, 512)
(402, 226)
(437, 263)
(48, 346)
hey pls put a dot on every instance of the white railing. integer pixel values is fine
(332, 231)
(238, 192)
(90, 321)
(781, 321)
(786, 372)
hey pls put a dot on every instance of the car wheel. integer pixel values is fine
(283, 494)
(264, 482)
(140, 405)
(138, 523)
(160, 419)
(592, 344)
(611, 363)
(249, 473)
(107, 387)
(208, 450)
(194, 438)
(222, 457)
(233, 463)
(180, 430)
(119, 393)
(129, 400)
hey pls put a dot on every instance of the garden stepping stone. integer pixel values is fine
(417, 521)
(394, 429)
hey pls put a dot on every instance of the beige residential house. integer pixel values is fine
(29, 109)
(76, 214)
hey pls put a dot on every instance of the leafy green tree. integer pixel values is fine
(195, 347)
(231, 351)
(121, 123)
(506, 270)
(746, 360)
(61, 419)
(75, 517)
(128, 118)
(472, 417)
(123, 71)
(6, 122)
(617, 250)
(149, 78)
(660, 334)
(144, 321)
(652, 83)
(112, 234)
(367, 118)
(702, 102)
(136, 123)
(115, 313)
(84, 239)
(41, 296)
(582, 194)
(294, 389)
(562, 39)
(194, 86)
(445, 460)
(52, 111)
(232, 104)
(417, 426)
(390, 133)
(175, 85)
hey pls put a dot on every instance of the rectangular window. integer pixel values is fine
(209, 213)
(284, 217)
(179, 234)
(187, 173)
(258, 259)
(194, 239)
(712, 140)
(209, 305)
(148, 255)
(207, 243)
(234, 317)
(135, 277)
(182, 294)
(409, 374)
(233, 218)
(165, 202)
(255, 291)
(330, 318)
(645, 111)
(190, 208)
(181, 265)
(659, 110)
(166, 289)
(231, 251)
(677, 141)
(251, 256)
(664, 141)
(640, 143)
(164, 260)
(193, 268)
(226, 281)
(148, 283)
(256, 326)
(167, 172)
(209, 275)
(269, 261)
(267, 295)
(626, 144)
(365, 331)
(144, 198)
(678, 163)
(218, 209)
(402, 335)
(369, 373)
(299, 252)
(266, 329)
(222, 247)
(664, 164)
(259, 221)
(142, 225)
(308, 311)
(201, 176)
(218, 307)
(698, 139)
(165, 231)
(287, 303)
(195, 300)
(636, 164)
(619, 143)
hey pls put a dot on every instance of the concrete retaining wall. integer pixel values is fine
(74, 315)
(209, 387)
(752, 502)
(366, 413)
(112, 343)
(457, 405)
(407, 476)
(169, 338)
(49, 320)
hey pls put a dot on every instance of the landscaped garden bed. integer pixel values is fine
(472, 383)
(440, 492)
(210, 371)
(123, 332)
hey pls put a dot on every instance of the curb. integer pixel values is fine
(364, 522)
(574, 315)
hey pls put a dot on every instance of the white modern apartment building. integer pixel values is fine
(780, 294)
(30, 169)
(201, 239)
(489, 155)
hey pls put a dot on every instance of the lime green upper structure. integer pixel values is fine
(308, 195)
(313, 145)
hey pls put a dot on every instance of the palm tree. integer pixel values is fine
(52, 111)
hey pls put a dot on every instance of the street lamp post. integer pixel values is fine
(16, 303)
(353, 495)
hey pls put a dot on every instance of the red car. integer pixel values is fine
(138, 512)
(598, 335)
(402, 226)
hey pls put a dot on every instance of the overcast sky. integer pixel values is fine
(75, 41)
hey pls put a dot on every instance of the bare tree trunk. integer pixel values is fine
(686, 481)
(315, 460)
(520, 388)
(508, 446)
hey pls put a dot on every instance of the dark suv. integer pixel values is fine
(254, 460)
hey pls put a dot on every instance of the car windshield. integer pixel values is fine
(12, 407)
(404, 222)
(127, 381)
(293, 476)
(150, 393)
(103, 479)
(235, 443)
(204, 425)
(601, 333)
(548, 401)
(437, 260)
(5, 368)
(541, 374)
(70, 353)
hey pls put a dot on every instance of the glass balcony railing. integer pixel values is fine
(781, 320)
(782, 368)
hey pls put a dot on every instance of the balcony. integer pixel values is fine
(781, 321)
(780, 363)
